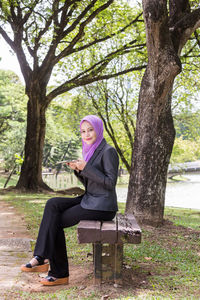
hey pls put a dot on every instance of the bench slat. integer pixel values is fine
(109, 232)
(134, 223)
(128, 230)
(123, 229)
(89, 231)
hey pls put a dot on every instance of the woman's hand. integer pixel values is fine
(72, 165)
(80, 163)
(77, 165)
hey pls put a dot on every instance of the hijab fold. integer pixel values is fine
(97, 124)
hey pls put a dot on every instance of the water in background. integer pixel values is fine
(185, 194)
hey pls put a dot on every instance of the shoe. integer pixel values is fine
(50, 280)
(37, 264)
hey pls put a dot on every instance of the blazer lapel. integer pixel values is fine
(97, 151)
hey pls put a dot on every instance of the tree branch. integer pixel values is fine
(79, 18)
(197, 38)
(69, 85)
(189, 51)
(28, 14)
(184, 29)
(50, 59)
(68, 50)
(62, 54)
(7, 38)
(100, 66)
(19, 52)
(177, 10)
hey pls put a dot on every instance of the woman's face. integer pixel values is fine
(87, 133)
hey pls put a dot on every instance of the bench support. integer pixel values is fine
(108, 238)
(107, 259)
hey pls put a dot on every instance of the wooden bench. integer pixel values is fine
(108, 238)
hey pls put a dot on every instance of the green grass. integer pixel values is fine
(12, 181)
(166, 265)
(184, 217)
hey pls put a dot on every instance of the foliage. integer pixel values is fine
(12, 116)
(62, 139)
(185, 150)
(18, 161)
(185, 103)
(67, 150)
(187, 124)
(77, 40)
(11, 100)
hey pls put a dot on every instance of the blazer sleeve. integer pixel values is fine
(107, 178)
(80, 178)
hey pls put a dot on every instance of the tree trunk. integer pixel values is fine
(155, 133)
(153, 145)
(31, 172)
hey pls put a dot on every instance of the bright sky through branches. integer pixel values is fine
(8, 60)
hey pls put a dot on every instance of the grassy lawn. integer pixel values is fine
(12, 181)
(166, 265)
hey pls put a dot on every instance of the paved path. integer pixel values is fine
(15, 246)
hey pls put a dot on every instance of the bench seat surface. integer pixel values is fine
(123, 229)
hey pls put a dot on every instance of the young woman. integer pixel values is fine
(98, 171)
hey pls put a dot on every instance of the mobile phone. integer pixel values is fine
(64, 161)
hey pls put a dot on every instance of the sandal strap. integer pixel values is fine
(39, 259)
(40, 262)
(50, 278)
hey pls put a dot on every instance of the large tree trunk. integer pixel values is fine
(31, 172)
(153, 145)
(154, 136)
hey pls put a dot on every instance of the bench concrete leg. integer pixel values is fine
(97, 260)
(108, 261)
(118, 263)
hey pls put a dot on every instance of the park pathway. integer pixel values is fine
(15, 247)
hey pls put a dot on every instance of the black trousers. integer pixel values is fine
(61, 213)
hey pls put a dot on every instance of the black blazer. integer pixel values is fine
(99, 178)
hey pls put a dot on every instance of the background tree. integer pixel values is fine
(12, 117)
(55, 37)
(166, 33)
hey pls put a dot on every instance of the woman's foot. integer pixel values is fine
(50, 280)
(36, 264)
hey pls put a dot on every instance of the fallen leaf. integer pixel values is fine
(127, 267)
(148, 258)
(104, 297)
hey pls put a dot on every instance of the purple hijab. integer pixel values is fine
(97, 124)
